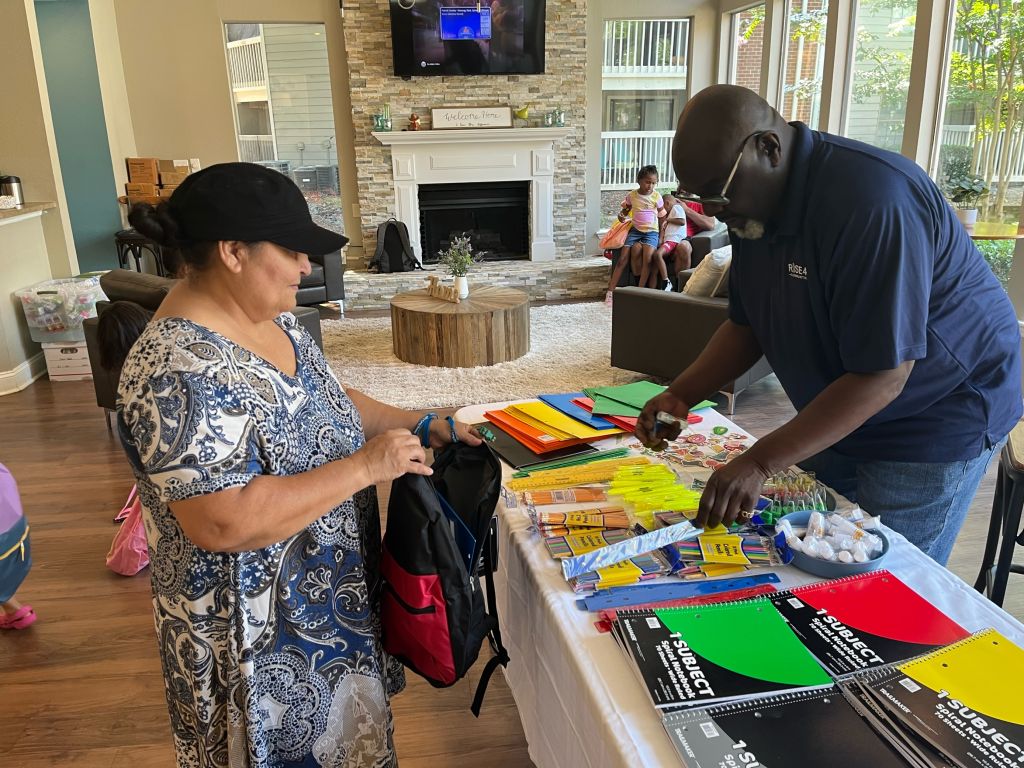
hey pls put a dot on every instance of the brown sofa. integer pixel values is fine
(148, 291)
(661, 333)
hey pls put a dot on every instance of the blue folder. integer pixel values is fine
(564, 403)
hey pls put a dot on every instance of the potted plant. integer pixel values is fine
(964, 192)
(458, 259)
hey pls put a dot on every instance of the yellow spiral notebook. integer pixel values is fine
(966, 699)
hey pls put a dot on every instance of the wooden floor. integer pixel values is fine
(82, 688)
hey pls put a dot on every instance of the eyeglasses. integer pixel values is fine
(720, 199)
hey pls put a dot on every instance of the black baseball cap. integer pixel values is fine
(246, 201)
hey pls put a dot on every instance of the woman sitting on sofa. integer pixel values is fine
(256, 470)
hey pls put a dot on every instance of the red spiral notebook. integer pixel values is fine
(865, 621)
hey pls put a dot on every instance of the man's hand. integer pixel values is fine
(731, 493)
(652, 434)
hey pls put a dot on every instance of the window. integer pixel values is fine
(642, 112)
(981, 153)
(804, 60)
(877, 104)
(745, 46)
(645, 81)
(281, 88)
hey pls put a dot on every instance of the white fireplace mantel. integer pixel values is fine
(474, 155)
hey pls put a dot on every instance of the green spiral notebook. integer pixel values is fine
(708, 654)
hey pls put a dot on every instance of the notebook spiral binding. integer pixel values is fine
(976, 637)
(633, 612)
(735, 707)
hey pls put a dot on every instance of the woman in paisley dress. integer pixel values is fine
(256, 471)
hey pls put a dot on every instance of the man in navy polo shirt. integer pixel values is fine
(885, 326)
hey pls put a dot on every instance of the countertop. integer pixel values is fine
(8, 215)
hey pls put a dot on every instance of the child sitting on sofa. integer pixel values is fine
(684, 220)
(644, 206)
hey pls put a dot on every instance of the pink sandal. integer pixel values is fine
(22, 618)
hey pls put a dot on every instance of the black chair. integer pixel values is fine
(131, 244)
(1004, 530)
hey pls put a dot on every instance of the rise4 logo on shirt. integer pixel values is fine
(799, 271)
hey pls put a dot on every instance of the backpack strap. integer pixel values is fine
(500, 657)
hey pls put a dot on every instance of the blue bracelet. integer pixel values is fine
(422, 428)
(451, 426)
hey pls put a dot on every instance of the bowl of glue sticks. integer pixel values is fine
(832, 545)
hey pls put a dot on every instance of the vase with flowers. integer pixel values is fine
(458, 258)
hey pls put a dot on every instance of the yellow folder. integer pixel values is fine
(555, 422)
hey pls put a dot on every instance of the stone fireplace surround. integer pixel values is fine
(473, 155)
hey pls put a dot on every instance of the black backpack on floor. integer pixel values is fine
(438, 543)
(393, 252)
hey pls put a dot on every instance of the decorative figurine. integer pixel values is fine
(446, 292)
(414, 122)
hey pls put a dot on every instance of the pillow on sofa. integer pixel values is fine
(710, 278)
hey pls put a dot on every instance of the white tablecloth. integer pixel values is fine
(580, 703)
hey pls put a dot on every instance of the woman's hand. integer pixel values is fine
(393, 454)
(441, 433)
(652, 434)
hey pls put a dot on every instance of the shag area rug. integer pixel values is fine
(569, 350)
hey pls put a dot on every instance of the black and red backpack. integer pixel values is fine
(438, 546)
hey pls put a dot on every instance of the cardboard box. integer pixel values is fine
(165, 192)
(171, 179)
(151, 199)
(137, 189)
(173, 166)
(68, 361)
(142, 170)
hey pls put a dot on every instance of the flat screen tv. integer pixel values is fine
(466, 37)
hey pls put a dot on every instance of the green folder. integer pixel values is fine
(604, 406)
(636, 394)
(629, 399)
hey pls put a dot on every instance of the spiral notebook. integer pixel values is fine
(804, 728)
(966, 700)
(716, 653)
(865, 621)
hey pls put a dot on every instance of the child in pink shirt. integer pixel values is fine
(645, 207)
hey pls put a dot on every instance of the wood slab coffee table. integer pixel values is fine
(491, 326)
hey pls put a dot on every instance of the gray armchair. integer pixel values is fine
(148, 291)
(324, 283)
(661, 333)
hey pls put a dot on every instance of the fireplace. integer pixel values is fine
(495, 215)
(458, 158)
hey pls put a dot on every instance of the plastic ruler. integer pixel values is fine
(620, 597)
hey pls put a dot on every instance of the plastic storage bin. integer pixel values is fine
(56, 309)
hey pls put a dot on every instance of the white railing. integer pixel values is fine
(623, 152)
(256, 148)
(245, 63)
(963, 136)
(646, 47)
